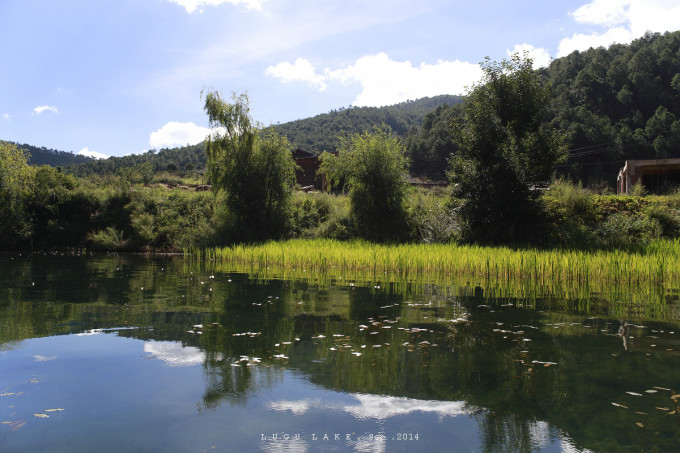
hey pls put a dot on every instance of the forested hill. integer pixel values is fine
(618, 103)
(613, 104)
(320, 133)
(52, 157)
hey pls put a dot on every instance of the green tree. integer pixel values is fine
(506, 151)
(373, 166)
(252, 167)
(16, 178)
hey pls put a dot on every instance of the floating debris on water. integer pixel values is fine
(634, 393)
(39, 415)
(619, 405)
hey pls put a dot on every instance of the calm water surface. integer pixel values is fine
(130, 353)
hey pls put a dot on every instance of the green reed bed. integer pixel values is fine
(659, 263)
(640, 281)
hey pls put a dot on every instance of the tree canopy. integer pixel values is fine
(373, 166)
(251, 167)
(506, 152)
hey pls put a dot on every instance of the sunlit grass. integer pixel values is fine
(497, 271)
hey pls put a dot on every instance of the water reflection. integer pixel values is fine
(306, 358)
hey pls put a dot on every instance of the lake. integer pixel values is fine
(148, 354)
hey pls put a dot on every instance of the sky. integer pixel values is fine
(117, 77)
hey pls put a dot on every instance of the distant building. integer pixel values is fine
(308, 163)
(653, 173)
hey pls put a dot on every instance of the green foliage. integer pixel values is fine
(321, 215)
(16, 179)
(638, 190)
(252, 167)
(373, 166)
(320, 132)
(617, 103)
(431, 218)
(109, 239)
(506, 151)
(429, 146)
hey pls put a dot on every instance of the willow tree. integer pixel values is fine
(251, 169)
(506, 152)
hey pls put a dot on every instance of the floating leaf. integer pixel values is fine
(662, 408)
(650, 391)
(640, 424)
(662, 388)
(634, 394)
(619, 405)
(41, 415)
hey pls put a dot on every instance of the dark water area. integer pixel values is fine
(148, 354)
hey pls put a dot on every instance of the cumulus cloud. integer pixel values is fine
(540, 56)
(199, 5)
(621, 21)
(173, 353)
(300, 71)
(603, 12)
(385, 81)
(45, 108)
(178, 134)
(580, 41)
(375, 406)
(87, 152)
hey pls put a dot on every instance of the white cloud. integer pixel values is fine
(301, 70)
(622, 21)
(199, 5)
(86, 152)
(654, 15)
(540, 56)
(375, 406)
(42, 108)
(381, 407)
(584, 42)
(178, 134)
(173, 353)
(385, 81)
(603, 12)
(6, 116)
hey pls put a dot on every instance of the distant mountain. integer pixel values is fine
(314, 134)
(320, 133)
(52, 157)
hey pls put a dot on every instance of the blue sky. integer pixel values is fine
(116, 77)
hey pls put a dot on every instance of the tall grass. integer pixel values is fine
(502, 271)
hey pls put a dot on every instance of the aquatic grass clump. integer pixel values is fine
(563, 272)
